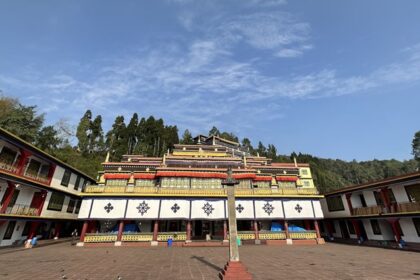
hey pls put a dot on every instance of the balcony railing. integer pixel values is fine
(407, 207)
(370, 210)
(13, 169)
(200, 192)
(302, 234)
(134, 237)
(37, 177)
(20, 209)
(8, 167)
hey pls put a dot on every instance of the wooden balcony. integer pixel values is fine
(221, 192)
(13, 169)
(366, 211)
(8, 167)
(407, 207)
(20, 209)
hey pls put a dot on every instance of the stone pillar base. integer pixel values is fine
(257, 242)
(80, 244)
(188, 241)
(225, 241)
(154, 243)
(235, 270)
(320, 241)
(117, 243)
(289, 241)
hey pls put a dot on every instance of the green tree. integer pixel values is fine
(23, 121)
(187, 138)
(132, 137)
(214, 131)
(48, 139)
(84, 133)
(97, 143)
(116, 139)
(271, 151)
(416, 147)
(261, 149)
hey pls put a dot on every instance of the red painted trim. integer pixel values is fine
(190, 174)
(225, 230)
(24, 156)
(8, 196)
(32, 229)
(147, 176)
(120, 231)
(189, 230)
(51, 173)
(155, 230)
(263, 178)
(117, 176)
(287, 178)
(84, 229)
(244, 176)
(41, 205)
(318, 233)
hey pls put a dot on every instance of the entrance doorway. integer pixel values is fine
(344, 230)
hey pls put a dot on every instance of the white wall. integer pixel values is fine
(369, 198)
(58, 214)
(17, 233)
(335, 214)
(410, 233)
(356, 202)
(58, 176)
(386, 230)
(400, 194)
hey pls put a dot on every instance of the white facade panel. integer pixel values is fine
(108, 208)
(143, 209)
(244, 209)
(318, 209)
(208, 209)
(175, 209)
(298, 209)
(268, 209)
(85, 208)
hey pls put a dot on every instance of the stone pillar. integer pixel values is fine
(155, 233)
(8, 196)
(286, 230)
(189, 227)
(120, 233)
(225, 231)
(256, 232)
(349, 203)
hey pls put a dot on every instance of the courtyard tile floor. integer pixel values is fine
(330, 261)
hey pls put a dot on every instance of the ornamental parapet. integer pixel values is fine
(134, 237)
(221, 192)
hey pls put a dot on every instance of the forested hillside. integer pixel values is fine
(151, 137)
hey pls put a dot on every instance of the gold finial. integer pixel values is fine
(107, 157)
(294, 160)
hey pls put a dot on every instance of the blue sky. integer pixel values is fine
(337, 79)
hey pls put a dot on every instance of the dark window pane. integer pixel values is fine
(56, 201)
(76, 185)
(9, 231)
(70, 207)
(375, 227)
(66, 178)
(335, 203)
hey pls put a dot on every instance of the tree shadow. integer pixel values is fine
(203, 260)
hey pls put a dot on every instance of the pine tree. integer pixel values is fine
(214, 131)
(187, 138)
(84, 132)
(271, 151)
(48, 139)
(262, 150)
(116, 139)
(132, 137)
(97, 143)
(416, 147)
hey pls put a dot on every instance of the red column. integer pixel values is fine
(51, 172)
(57, 229)
(356, 226)
(286, 229)
(8, 196)
(257, 236)
(225, 230)
(24, 156)
(41, 205)
(307, 225)
(84, 229)
(120, 231)
(350, 205)
(318, 234)
(385, 198)
(155, 230)
(395, 229)
(32, 229)
(188, 230)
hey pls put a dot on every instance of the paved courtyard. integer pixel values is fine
(331, 261)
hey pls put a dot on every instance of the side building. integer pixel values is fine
(384, 211)
(39, 194)
(180, 195)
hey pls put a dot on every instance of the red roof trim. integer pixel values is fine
(190, 174)
(287, 178)
(244, 176)
(144, 176)
(263, 178)
(117, 176)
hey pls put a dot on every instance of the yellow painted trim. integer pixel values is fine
(194, 195)
(200, 154)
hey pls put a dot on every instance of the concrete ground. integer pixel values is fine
(330, 261)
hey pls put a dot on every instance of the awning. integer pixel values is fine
(117, 176)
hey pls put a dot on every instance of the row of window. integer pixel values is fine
(197, 183)
(65, 180)
(57, 201)
(335, 203)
